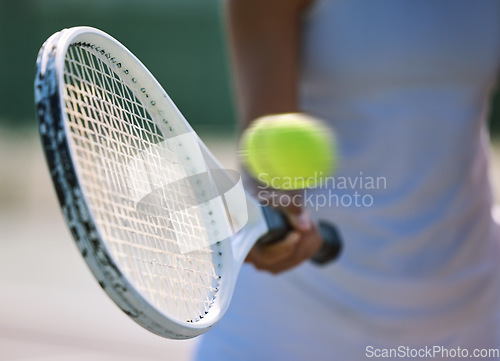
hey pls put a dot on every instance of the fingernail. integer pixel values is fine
(304, 221)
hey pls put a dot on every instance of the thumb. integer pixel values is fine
(300, 220)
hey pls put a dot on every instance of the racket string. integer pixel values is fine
(111, 128)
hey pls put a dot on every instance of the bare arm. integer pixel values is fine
(264, 41)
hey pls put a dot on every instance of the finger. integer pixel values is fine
(291, 207)
(304, 250)
(267, 254)
(300, 221)
(307, 247)
(310, 244)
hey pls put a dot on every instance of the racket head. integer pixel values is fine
(102, 178)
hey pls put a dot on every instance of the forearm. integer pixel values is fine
(264, 52)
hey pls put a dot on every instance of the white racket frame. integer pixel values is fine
(49, 84)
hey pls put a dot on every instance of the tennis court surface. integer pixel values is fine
(51, 307)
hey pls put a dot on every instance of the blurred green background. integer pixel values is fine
(182, 44)
(180, 41)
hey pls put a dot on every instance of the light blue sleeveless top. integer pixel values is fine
(406, 85)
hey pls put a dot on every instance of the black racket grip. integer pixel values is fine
(279, 226)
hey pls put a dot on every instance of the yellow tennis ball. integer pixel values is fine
(288, 151)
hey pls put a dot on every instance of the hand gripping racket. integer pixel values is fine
(163, 227)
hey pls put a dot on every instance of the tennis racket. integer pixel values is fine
(162, 226)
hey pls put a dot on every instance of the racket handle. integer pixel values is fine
(279, 226)
(332, 244)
